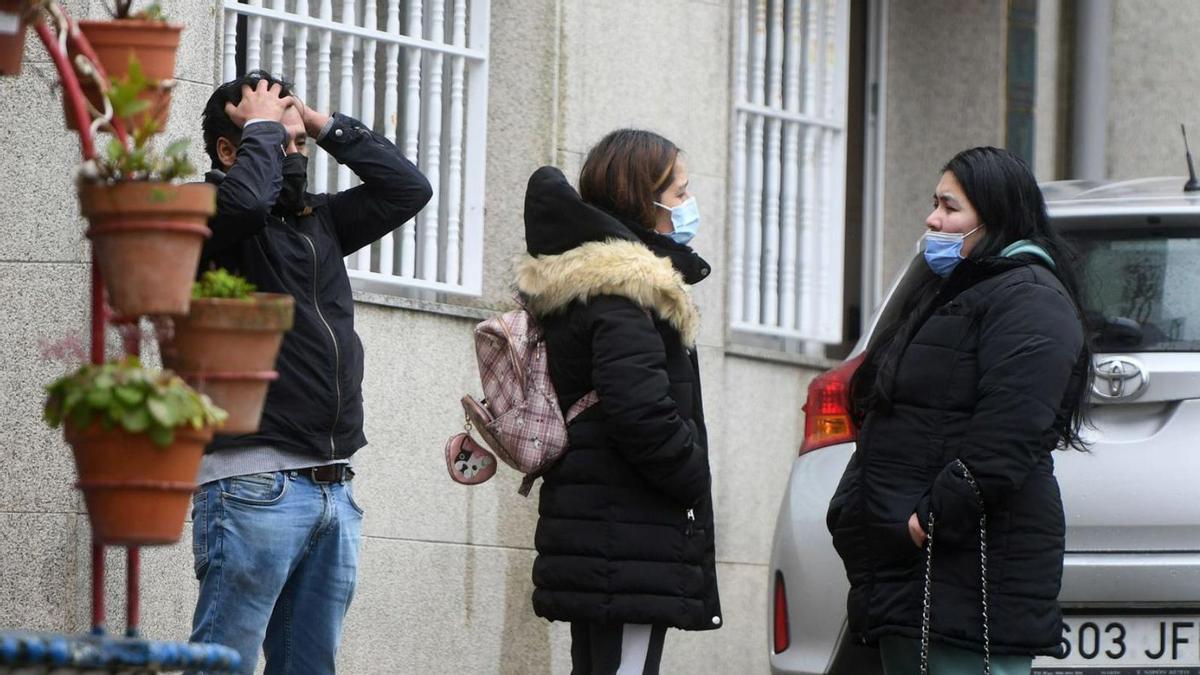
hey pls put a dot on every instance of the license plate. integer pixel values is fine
(1127, 645)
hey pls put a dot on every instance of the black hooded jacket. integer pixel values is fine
(980, 390)
(315, 407)
(625, 528)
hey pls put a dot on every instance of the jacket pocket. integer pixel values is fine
(694, 536)
(847, 490)
(892, 545)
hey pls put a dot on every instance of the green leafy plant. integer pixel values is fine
(123, 394)
(137, 159)
(220, 283)
(123, 9)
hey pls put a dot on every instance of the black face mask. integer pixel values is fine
(295, 181)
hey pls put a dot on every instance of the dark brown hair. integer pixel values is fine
(626, 171)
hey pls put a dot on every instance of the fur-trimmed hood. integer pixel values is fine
(625, 268)
(578, 252)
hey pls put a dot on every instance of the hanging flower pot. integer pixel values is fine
(227, 345)
(136, 492)
(151, 44)
(12, 36)
(137, 436)
(146, 237)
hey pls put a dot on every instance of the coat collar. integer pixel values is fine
(689, 263)
(626, 268)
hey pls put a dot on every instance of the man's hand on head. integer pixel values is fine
(314, 120)
(261, 102)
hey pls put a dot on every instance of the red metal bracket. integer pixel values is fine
(77, 106)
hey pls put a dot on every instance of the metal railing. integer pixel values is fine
(789, 164)
(423, 86)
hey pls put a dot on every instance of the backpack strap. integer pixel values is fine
(589, 399)
(578, 408)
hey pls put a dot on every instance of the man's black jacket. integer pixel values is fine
(315, 406)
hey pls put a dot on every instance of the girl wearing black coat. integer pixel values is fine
(625, 528)
(961, 399)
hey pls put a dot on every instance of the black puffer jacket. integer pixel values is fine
(984, 382)
(315, 407)
(625, 533)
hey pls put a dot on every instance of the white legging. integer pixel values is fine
(616, 649)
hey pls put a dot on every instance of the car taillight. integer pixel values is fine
(782, 639)
(827, 412)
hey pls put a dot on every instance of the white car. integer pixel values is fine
(1131, 583)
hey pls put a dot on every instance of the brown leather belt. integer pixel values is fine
(331, 473)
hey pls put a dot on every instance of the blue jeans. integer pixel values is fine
(276, 556)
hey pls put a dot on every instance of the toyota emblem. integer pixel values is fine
(1119, 378)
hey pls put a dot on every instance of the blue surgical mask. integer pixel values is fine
(685, 218)
(943, 250)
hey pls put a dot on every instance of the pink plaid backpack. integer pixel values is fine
(519, 417)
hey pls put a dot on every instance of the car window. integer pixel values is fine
(1140, 292)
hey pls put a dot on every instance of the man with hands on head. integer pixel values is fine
(276, 530)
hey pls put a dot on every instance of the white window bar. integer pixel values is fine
(300, 73)
(391, 103)
(277, 38)
(229, 48)
(791, 170)
(254, 39)
(788, 187)
(324, 45)
(770, 270)
(432, 157)
(454, 189)
(437, 109)
(412, 126)
(346, 105)
(808, 233)
(366, 110)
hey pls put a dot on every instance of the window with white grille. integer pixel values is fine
(789, 166)
(414, 71)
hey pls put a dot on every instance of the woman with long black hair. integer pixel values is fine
(948, 517)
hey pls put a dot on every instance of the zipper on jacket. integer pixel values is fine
(337, 356)
(691, 522)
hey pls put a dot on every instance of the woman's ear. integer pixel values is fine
(226, 152)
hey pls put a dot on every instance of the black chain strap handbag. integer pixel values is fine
(983, 583)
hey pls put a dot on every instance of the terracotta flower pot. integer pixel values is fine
(147, 239)
(227, 349)
(12, 36)
(137, 493)
(152, 43)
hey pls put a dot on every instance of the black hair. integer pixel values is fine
(216, 122)
(1005, 195)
